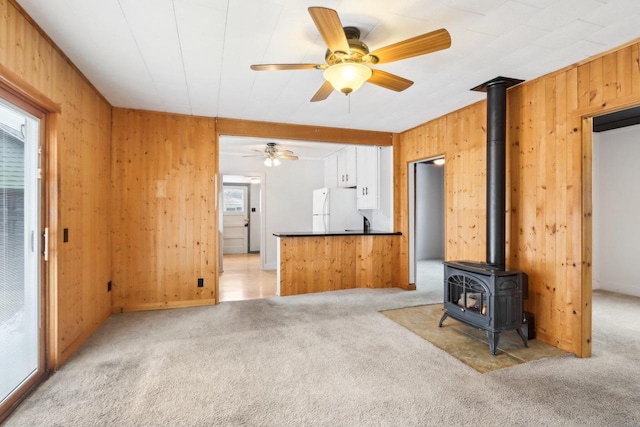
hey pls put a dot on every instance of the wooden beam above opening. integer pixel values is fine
(238, 127)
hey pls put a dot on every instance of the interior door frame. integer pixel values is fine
(247, 206)
(411, 198)
(19, 93)
(583, 348)
(263, 205)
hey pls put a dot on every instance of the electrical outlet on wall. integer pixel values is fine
(200, 282)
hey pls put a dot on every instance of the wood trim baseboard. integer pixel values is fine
(164, 305)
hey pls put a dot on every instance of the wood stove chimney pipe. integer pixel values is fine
(496, 167)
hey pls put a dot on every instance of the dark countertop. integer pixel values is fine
(336, 233)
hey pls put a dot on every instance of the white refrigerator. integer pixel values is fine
(334, 209)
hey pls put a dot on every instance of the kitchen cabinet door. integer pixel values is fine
(347, 167)
(367, 177)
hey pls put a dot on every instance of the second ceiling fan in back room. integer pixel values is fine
(273, 155)
(349, 62)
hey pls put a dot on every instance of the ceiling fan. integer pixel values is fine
(349, 60)
(273, 155)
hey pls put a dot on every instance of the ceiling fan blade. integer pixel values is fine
(288, 157)
(276, 67)
(389, 81)
(322, 93)
(420, 45)
(286, 152)
(328, 23)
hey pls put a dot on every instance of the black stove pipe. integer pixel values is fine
(496, 172)
(496, 167)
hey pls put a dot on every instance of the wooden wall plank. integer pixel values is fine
(158, 161)
(584, 89)
(401, 201)
(596, 82)
(559, 204)
(340, 263)
(610, 77)
(623, 71)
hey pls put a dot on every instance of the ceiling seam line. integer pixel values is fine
(135, 41)
(226, 26)
(184, 70)
(262, 60)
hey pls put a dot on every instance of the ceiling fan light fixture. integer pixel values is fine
(347, 77)
(271, 161)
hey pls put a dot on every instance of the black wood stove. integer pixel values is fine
(487, 295)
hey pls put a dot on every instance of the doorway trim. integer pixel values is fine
(17, 92)
(411, 197)
(263, 204)
(584, 346)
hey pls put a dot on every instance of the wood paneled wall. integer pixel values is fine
(321, 264)
(79, 146)
(164, 220)
(549, 192)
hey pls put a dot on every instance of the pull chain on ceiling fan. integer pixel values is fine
(349, 62)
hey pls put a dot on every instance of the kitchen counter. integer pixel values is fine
(336, 233)
(320, 262)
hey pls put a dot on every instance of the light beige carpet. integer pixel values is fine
(469, 344)
(328, 359)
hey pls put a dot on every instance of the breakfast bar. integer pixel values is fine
(329, 261)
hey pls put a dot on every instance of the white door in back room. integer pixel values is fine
(235, 215)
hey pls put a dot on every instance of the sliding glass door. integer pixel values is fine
(21, 352)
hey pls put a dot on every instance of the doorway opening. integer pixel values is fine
(426, 224)
(22, 352)
(235, 218)
(616, 204)
(242, 261)
(615, 279)
(616, 208)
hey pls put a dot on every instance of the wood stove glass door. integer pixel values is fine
(468, 293)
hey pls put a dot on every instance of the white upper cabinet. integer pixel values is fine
(368, 164)
(347, 167)
(331, 171)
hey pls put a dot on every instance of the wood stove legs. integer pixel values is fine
(494, 337)
(524, 339)
(444, 316)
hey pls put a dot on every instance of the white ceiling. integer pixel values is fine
(193, 56)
